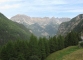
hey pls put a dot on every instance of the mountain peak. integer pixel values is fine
(74, 24)
(21, 15)
(80, 15)
(40, 26)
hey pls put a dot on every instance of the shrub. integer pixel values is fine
(34, 57)
(81, 44)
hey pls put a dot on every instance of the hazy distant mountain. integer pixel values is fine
(40, 26)
(75, 24)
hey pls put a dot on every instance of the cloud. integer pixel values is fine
(37, 7)
(75, 11)
(44, 2)
(52, 2)
(9, 4)
(74, 1)
(4, 1)
(4, 7)
(41, 5)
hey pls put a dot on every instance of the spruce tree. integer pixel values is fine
(33, 45)
(42, 49)
(21, 57)
(47, 49)
(60, 42)
(7, 51)
(52, 44)
(34, 57)
(72, 39)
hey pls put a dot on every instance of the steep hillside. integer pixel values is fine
(76, 55)
(69, 53)
(10, 30)
(79, 27)
(75, 24)
(40, 26)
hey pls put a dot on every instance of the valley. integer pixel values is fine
(25, 38)
(41, 29)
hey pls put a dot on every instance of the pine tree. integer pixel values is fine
(7, 51)
(53, 44)
(42, 49)
(34, 58)
(21, 57)
(60, 42)
(14, 50)
(56, 43)
(21, 47)
(47, 50)
(72, 39)
(33, 45)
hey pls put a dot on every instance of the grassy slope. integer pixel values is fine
(77, 55)
(67, 52)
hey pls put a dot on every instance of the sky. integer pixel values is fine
(42, 8)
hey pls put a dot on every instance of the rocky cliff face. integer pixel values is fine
(73, 24)
(40, 26)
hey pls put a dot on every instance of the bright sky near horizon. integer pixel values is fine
(42, 8)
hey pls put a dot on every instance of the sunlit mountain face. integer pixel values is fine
(40, 26)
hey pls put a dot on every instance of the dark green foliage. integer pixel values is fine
(34, 57)
(12, 58)
(56, 42)
(36, 49)
(21, 57)
(21, 47)
(47, 49)
(10, 30)
(72, 39)
(33, 45)
(42, 49)
(15, 50)
(52, 45)
(60, 40)
(7, 51)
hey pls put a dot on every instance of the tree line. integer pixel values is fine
(37, 48)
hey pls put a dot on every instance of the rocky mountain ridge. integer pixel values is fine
(71, 25)
(40, 26)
